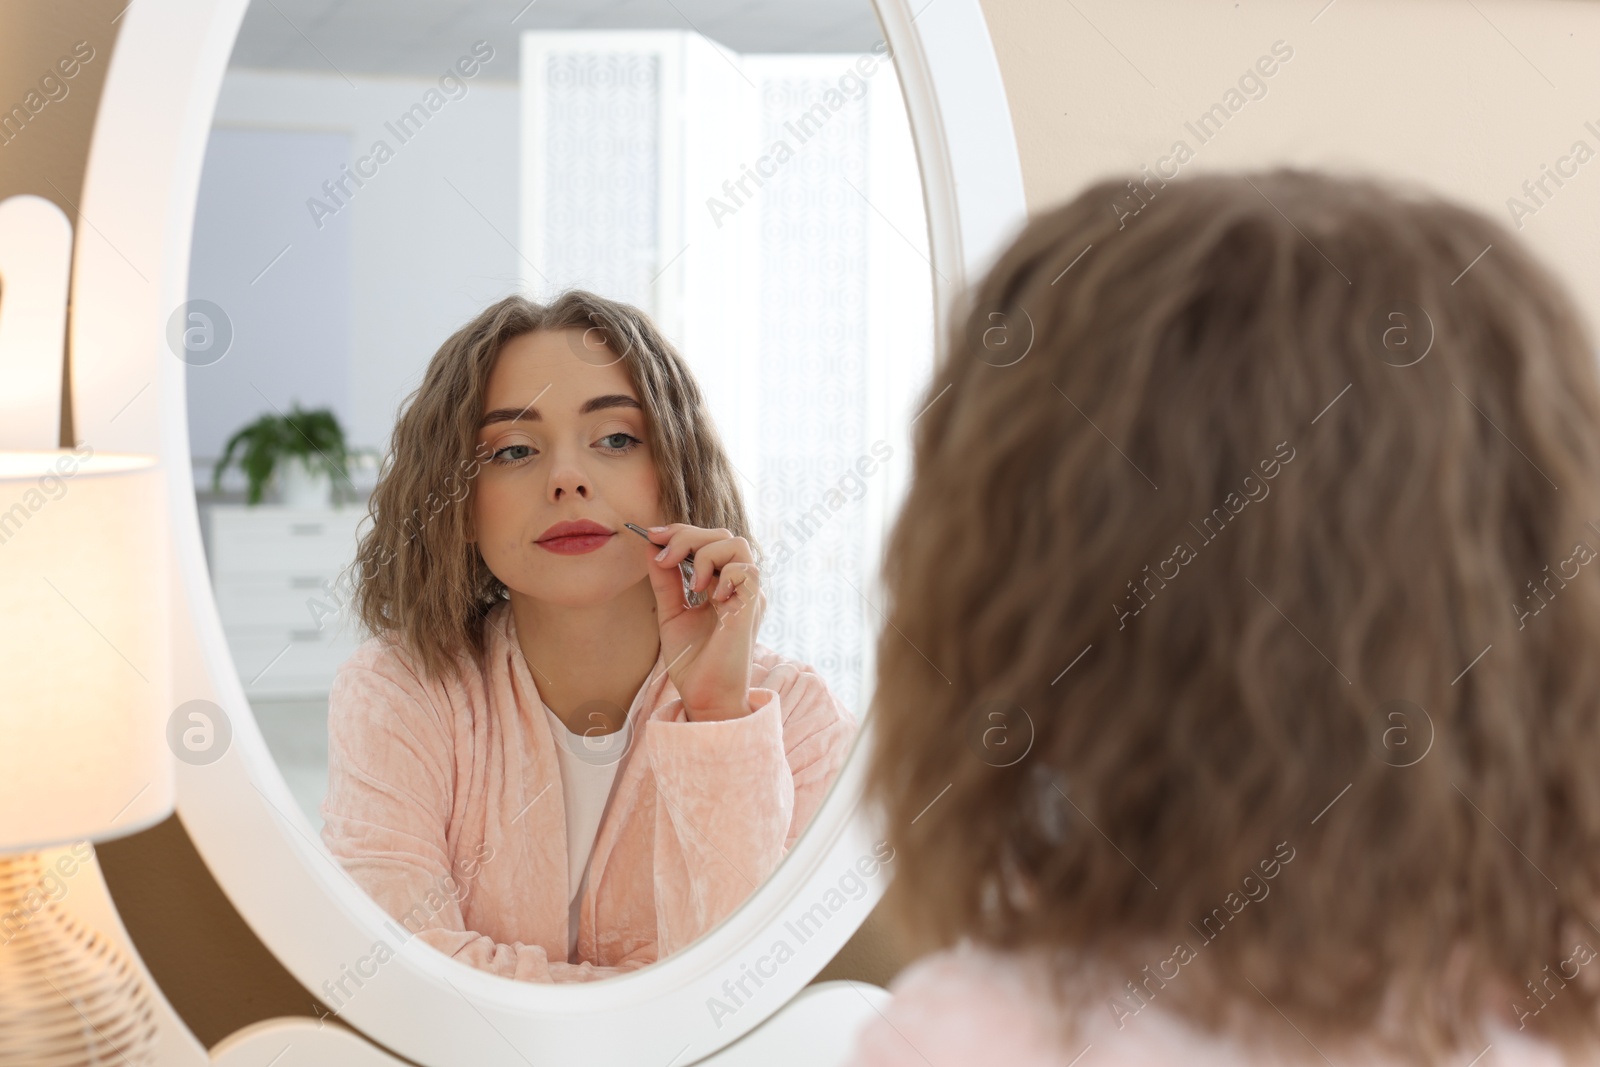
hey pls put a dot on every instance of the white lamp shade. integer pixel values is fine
(85, 664)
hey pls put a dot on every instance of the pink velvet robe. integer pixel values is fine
(972, 1004)
(445, 804)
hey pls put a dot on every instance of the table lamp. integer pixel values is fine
(85, 693)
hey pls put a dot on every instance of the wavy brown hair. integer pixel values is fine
(1249, 519)
(416, 577)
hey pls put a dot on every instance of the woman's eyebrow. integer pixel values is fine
(531, 413)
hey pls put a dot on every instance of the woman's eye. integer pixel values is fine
(624, 441)
(501, 454)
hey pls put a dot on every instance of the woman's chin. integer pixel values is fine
(578, 594)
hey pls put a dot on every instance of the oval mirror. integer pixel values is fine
(493, 865)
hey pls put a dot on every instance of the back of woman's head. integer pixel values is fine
(1241, 600)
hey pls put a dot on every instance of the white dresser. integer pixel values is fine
(276, 574)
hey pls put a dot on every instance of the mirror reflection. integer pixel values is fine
(549, 375)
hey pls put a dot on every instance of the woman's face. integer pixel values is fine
(563, 440)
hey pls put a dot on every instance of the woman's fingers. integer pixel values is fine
(682, 540)
(713, 559)
(737, 579)
(713, 550)
(739, 587)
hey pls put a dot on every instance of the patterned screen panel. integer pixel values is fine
(813, 330)
(602, 161)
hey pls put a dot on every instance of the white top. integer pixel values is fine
(588, 768)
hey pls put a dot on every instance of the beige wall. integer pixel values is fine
(44, 155)
(1469, 98)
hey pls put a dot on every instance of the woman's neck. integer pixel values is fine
(589, 662)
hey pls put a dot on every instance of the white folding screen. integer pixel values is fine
(767, 212)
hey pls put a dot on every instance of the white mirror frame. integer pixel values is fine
(131, 263)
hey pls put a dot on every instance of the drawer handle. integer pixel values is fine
(305, 635)
(305, 581)
(305, 529)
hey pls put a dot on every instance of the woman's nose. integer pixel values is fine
(568, 478)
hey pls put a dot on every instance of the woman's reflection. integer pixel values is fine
(544, 763)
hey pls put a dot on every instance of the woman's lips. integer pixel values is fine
(574, 537)
(575, 545)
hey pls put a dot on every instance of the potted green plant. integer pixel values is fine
(306, 449)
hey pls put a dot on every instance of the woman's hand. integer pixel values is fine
(707, 649)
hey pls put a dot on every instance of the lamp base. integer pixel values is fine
(68, 996)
